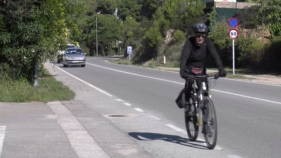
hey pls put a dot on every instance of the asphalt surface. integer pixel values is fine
(248, 113)
(127, 111)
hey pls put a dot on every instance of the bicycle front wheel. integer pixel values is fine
(190, 123)
(210, 123)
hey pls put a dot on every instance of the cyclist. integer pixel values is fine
(194, 56)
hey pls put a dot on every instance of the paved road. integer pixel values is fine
(129, 112)
(248, 113)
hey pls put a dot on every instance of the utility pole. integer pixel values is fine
(97, 47)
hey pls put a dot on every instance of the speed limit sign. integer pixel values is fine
(233, 34)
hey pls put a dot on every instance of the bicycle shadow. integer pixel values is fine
(169, 138)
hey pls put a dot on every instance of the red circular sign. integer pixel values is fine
(233, 33)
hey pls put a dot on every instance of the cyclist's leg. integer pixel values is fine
(188, 89)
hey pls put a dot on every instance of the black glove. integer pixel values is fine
(222, 72)
(183, 75)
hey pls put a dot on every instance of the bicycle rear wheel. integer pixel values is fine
(210, 123)
(190, 123)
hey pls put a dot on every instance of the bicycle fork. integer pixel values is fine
(198, 105)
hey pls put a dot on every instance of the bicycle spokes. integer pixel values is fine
(210, 125)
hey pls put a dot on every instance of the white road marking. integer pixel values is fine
(218, 148)
(174, 127)
(2, 137)
(81, 141)
(134, 74)
(244, 96)
(154, 117)
(128, 104)
(119, 100)
(142, 67)
(204, 142)
(139, 110)
(183, 132)
(221, 78)
(253, 82)
(102, 91)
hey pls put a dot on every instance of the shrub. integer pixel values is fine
(179, 36)
(222, 42)
(173, 52)
(153, 37)
(249, 52)
(272, 56)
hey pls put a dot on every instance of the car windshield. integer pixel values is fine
(74, 51)
(71, 46)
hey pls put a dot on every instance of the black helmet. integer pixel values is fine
(200, 28)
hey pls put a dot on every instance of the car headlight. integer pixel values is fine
(67, 58)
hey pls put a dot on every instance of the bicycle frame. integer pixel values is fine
(197, 93)
(202, 110)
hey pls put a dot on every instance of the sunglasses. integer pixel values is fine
(200, 35)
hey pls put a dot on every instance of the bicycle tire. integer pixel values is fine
(210, 124)
(190, 122)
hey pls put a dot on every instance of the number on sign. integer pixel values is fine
(233, 34)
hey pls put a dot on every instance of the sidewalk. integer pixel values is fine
(80, 128)
(94, 135)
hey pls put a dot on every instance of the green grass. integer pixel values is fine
(237, 76)
(22, 91)
(121, 61)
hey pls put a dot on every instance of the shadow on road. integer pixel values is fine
(169, 138)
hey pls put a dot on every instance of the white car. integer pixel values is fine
(74, 56)
(61, 53)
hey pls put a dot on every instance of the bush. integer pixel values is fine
(173, 52)
(272, 56)
(222, 42)
(153, 37)
(179, 36)
(249, 52)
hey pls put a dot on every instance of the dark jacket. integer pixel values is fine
(196, 56)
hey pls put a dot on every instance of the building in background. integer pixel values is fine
(225, 8)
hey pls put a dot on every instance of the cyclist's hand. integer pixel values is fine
(222, 72)
(183, 75)
(189, 77)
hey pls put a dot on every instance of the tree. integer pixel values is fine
(129, 8)
(149, 7)
(127, 30)
(269, 13)
(108, 32)
(106, 6)
(33, 31)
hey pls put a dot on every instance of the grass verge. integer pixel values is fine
(22, 91)
(121, 61)
(238, 76)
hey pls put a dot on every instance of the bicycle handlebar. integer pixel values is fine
(214, 75)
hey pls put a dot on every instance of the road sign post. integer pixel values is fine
(233, 34)
(233, 23)
(233, 57)
(129, 51)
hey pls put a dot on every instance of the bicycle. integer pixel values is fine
(201, 111)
